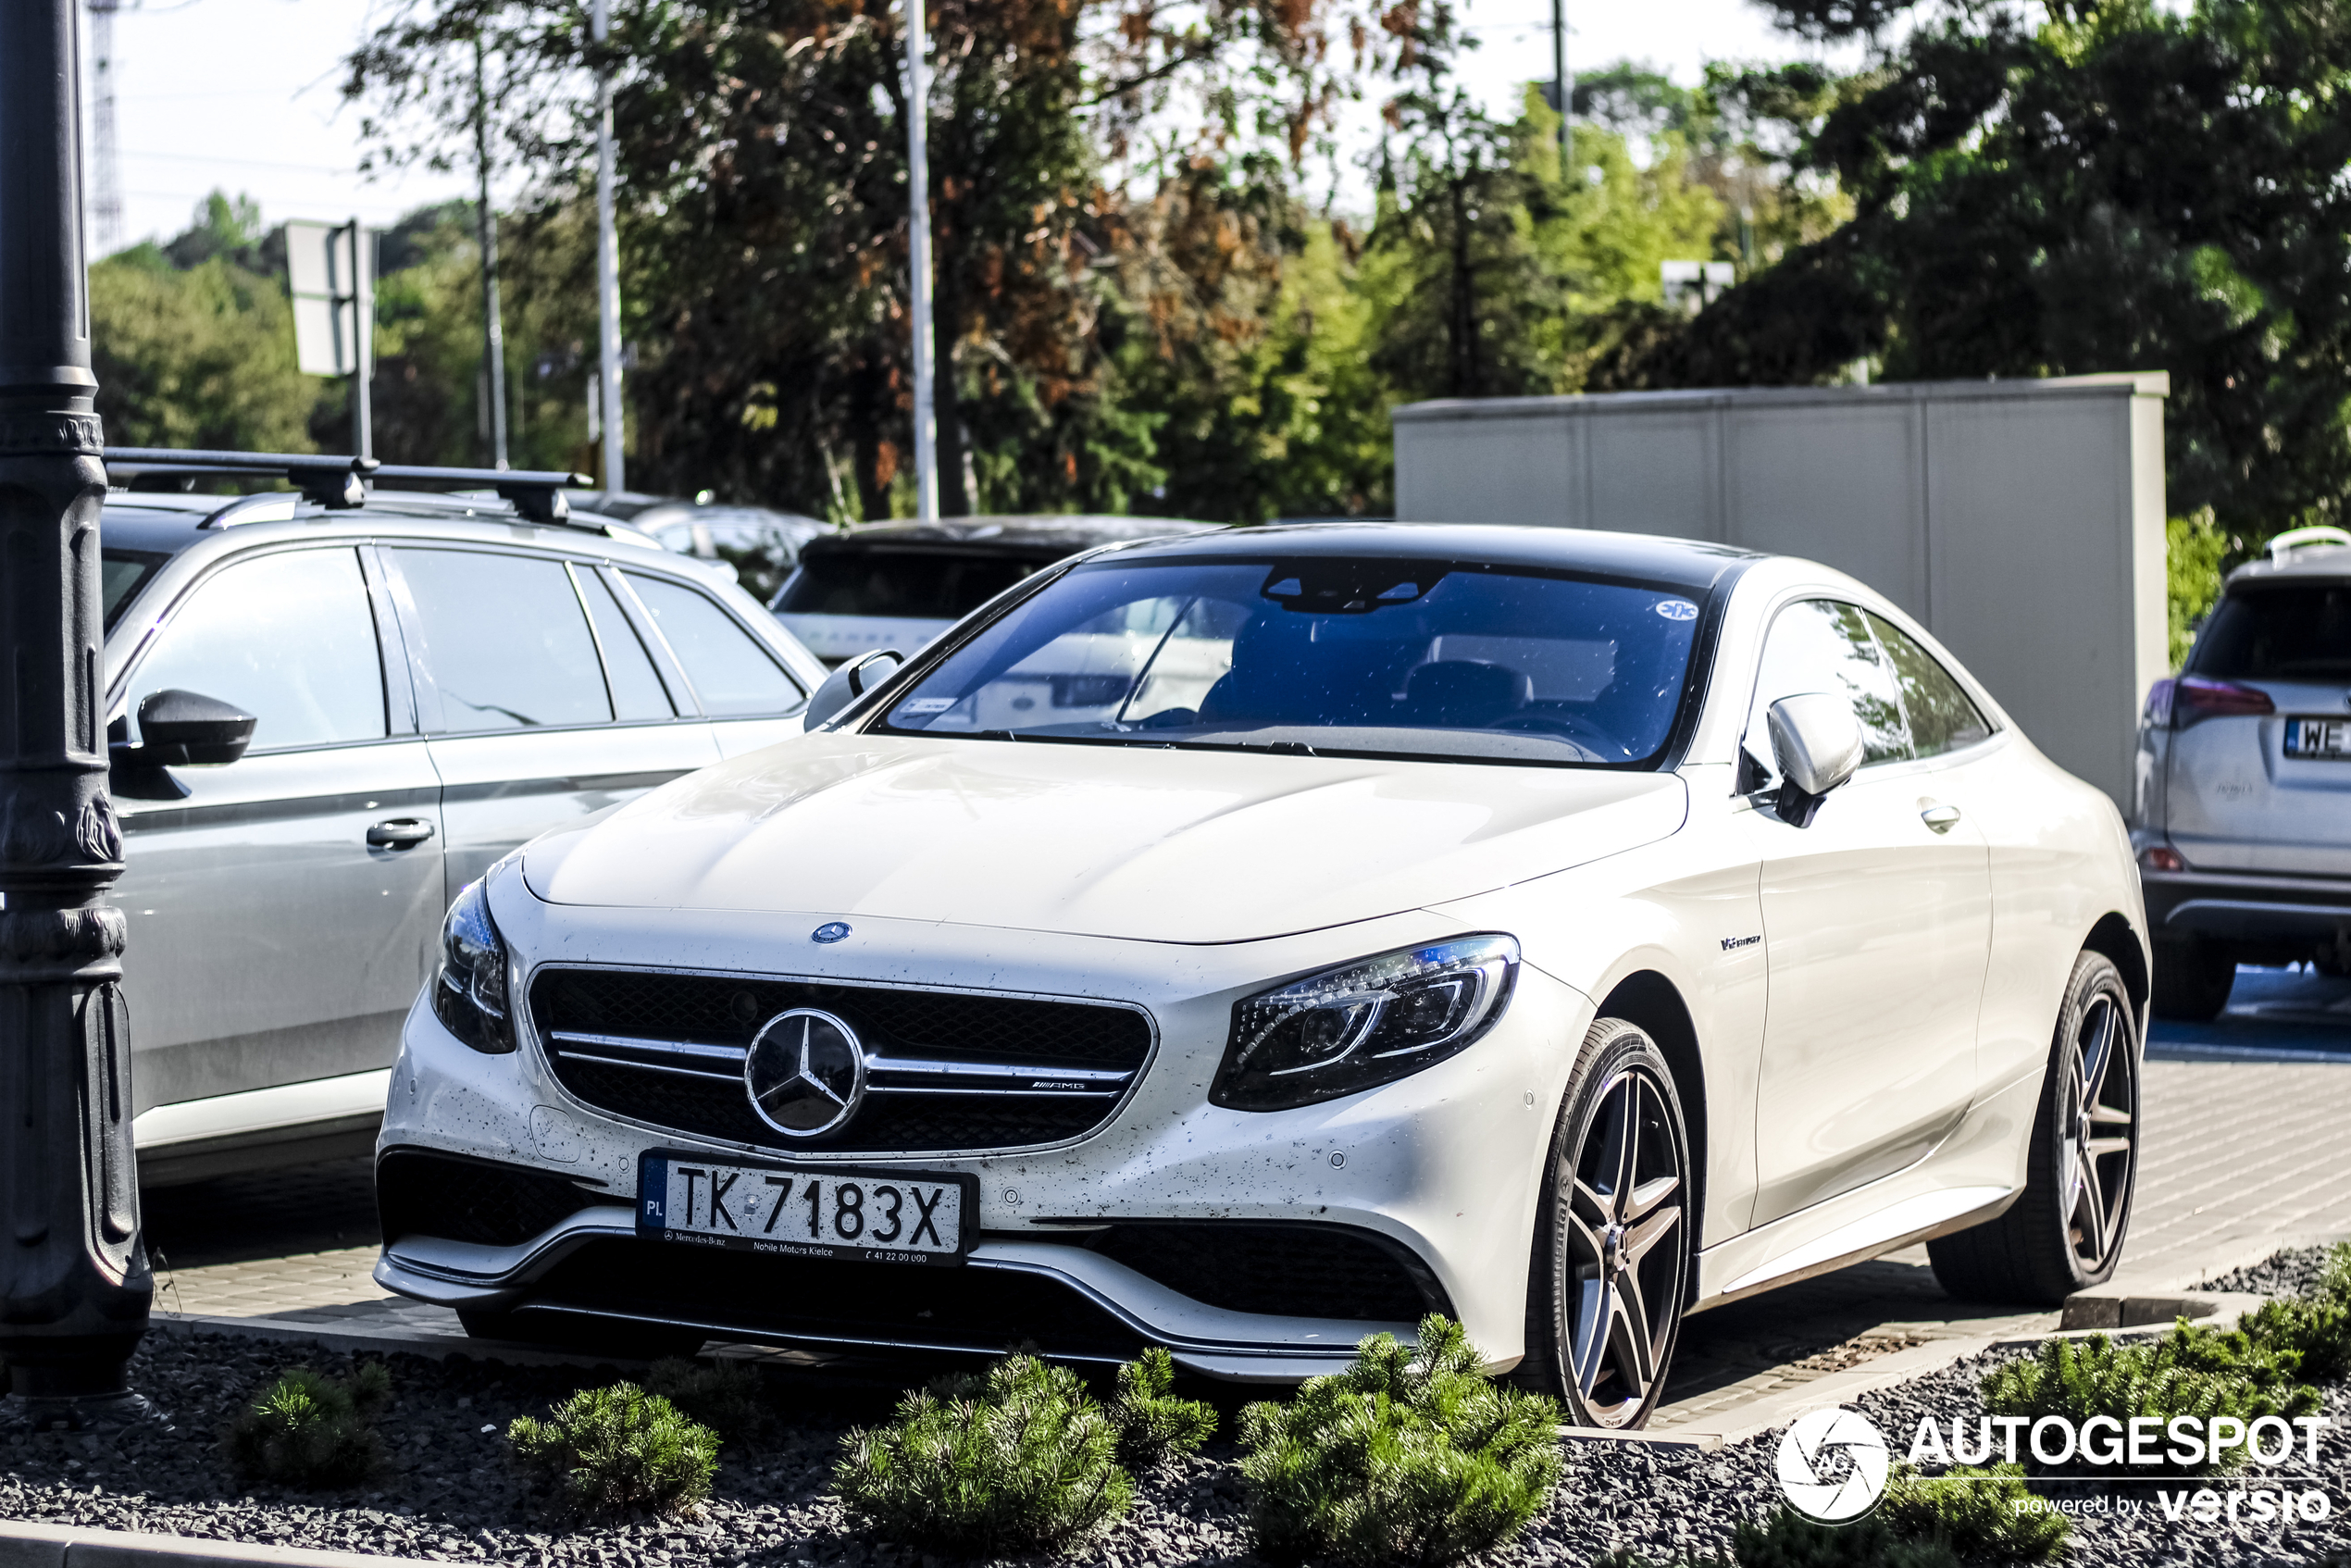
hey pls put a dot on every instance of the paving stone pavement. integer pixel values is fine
(2242, 1157)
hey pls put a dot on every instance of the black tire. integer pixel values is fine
(1611, 1254)
(2065, 1232)
(2192, 979)
(615, 1336)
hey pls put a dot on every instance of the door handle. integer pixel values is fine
(401, 833)
(1937, 816)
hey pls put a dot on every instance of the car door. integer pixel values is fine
(1877, 928)
(282, 913)
(743, 688)
(538, 697)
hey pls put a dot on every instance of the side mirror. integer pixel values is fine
(1817, 743)
(849, 682)
(187, 729)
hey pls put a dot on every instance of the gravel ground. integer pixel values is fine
(449, 1493)
(2280, 1274)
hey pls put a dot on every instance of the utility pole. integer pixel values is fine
(1564, 83)
(493, 332)
(607, 261)
(363, 339)
(105, 162)
(918, 261)
(74, 1283)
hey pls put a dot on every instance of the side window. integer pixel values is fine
(637, 691)
(1822, 645)
(732, 674)
(505, 640)
(1943, 717)
(288, 638)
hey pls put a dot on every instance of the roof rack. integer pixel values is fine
(2319, 537)
(339, 483)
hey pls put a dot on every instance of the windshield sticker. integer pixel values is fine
(1677, 609)
(926, 706)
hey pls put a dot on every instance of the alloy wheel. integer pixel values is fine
(1624, 1254)
(2100, 1126)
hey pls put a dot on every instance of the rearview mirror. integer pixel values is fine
(187, 729)
(1817, 743)
(849, 682)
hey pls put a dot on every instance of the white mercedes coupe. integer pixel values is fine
(1246, 941)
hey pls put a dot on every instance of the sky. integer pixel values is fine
(244, 96)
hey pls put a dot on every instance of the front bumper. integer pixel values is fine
(2247, 905)
(1440, 1171)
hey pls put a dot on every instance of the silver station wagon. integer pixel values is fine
(420, 682)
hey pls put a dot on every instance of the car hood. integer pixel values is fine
(1144, 843)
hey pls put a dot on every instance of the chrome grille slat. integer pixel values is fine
(946, 1070)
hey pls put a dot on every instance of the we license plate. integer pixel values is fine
(2328, 737)
(873, 1216)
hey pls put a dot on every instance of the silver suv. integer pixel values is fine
(427, 680)
(2243, 825)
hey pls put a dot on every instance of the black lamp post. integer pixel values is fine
(74, 1283)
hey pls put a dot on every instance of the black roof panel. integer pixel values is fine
(1691, 563)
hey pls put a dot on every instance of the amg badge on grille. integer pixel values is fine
(805, 1073)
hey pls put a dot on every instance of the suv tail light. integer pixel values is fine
(2159, 708)
(2197, 696)
(2162, 857)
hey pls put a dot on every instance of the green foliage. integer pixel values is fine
(1982, 1515)
(2194, 561)
(1407, 1456)
(2190, 1372)
(193, 341)
(1154, 1426)
(723, 1396)
(2313, 1334)
(613, 1451)
(1017, 1460)
(309, 1429)
(1790, 1540)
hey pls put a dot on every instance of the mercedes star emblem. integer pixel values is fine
(805, 1073)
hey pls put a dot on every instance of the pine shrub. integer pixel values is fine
(1983, 1515)
(2190, 1372)
(1407, 1456)
(1790, 1540)
(617, 1450)
(725, 1396)
(312, 1430)
(1016, 1460)
(1154, 1426)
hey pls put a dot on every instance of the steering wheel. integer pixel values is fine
(1589, 736)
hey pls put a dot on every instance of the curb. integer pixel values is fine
(64, 1545)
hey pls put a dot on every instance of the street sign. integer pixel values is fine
(329, 282)
(1690, 284)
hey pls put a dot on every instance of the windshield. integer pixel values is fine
(122, 574)
(1384, 658)
(2279, 634)
(939, 585)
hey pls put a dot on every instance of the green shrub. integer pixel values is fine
(1982, 1515)
(2334, 1278)
(1016, 1460)
(1154, 1426)
(725, 1397)
(312, 1430)
(617, 1449)
(2190, 1371)
(1407, 1456)
(1790, 1540)
(2311, 1333)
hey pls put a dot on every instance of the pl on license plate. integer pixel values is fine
(874, 1216)
(2319, 737)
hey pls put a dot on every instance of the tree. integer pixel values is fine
(192, 344)
(2119, 187)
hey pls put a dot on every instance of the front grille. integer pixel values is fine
(945, 1071)
(419, 1193)
(1293, 1270)
(752, 1297)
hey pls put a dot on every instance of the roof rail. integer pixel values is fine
(336, 483)
(2318, 536)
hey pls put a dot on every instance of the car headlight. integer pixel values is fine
(469, 996)
(1367, 1023)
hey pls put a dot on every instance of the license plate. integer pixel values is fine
(798, 1211)
(2319, 737)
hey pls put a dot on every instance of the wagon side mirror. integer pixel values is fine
(849, 682)
(1817, 743)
